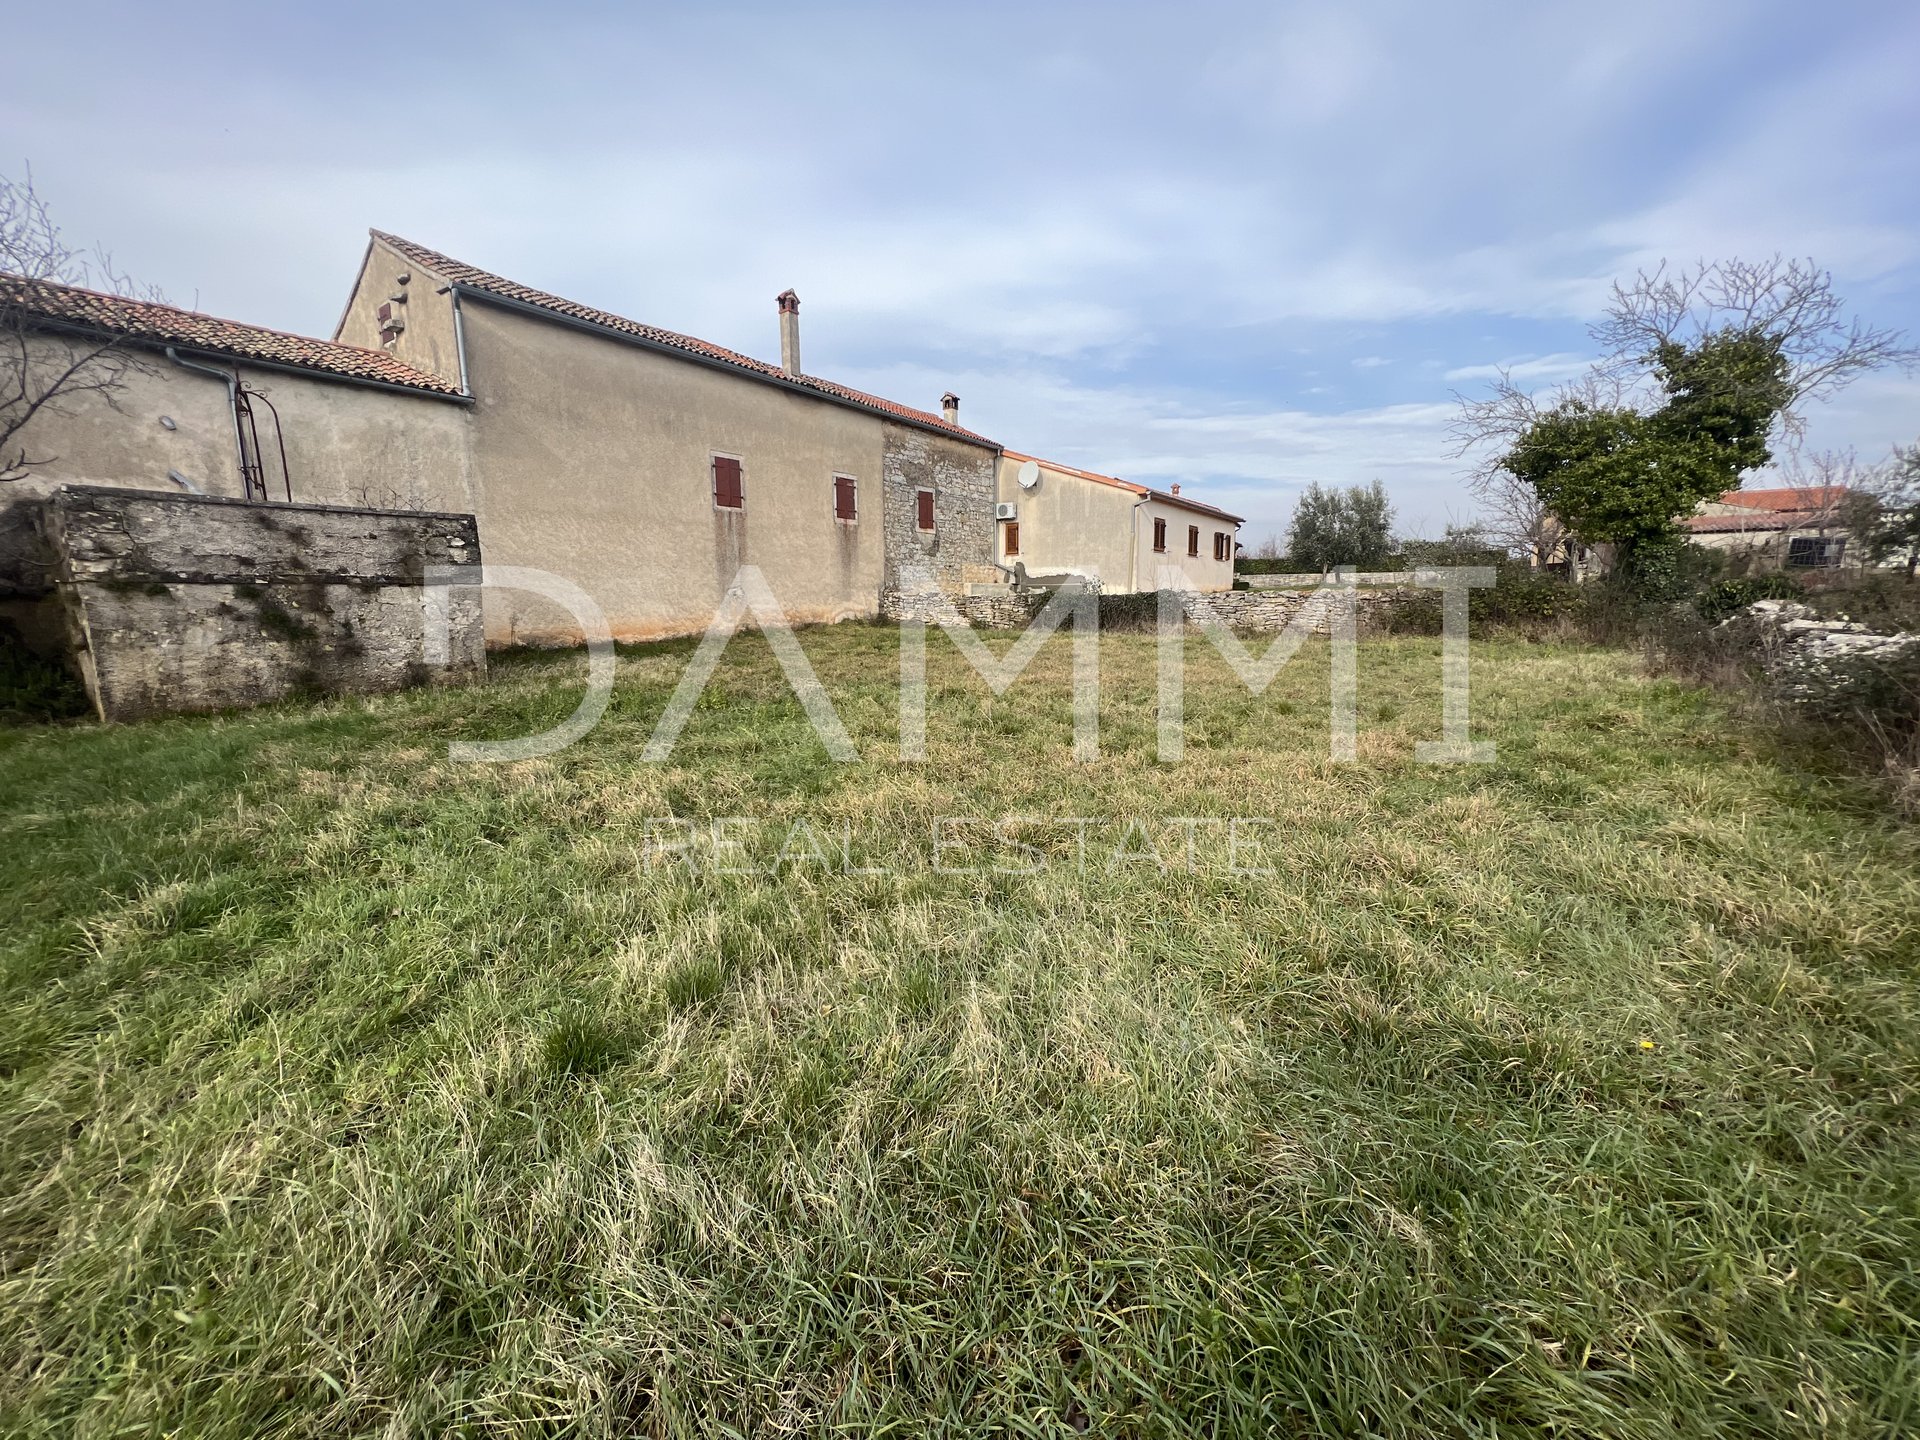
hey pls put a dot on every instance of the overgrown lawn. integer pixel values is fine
(348, 1091)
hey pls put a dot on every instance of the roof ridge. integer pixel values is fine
(162, 322)
(490, 282)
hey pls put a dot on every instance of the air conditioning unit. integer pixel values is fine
(1005, 510)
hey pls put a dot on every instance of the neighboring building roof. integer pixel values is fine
(1166, 497)
(1810, 497)
(485, 283)
(1766, 511)
(150, 323)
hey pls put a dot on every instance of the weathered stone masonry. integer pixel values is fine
(961, 549)
(188, 602)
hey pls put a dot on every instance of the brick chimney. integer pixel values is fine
(950, 407)
(789, 304)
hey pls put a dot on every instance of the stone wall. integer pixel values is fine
(961, 549)
(189, 602)
(1254, 612)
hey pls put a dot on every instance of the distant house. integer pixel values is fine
(1056, 519)
(1792, 528)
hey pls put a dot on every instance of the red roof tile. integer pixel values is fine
(471, 277)
(1811, 497)
(1760, 522)
(147, 322)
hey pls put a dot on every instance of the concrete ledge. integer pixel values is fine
(186, 602)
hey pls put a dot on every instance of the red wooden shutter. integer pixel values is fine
(1193, 540)
(726, 482)
(1159, 534)
(843, 498)
(1013, 537)
(926, 510)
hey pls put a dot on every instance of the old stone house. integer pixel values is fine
(1792, 528)
(1056, 519)
(648, 466)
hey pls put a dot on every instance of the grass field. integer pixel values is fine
(348, 1091)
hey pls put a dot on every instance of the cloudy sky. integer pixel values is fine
(1244, 247)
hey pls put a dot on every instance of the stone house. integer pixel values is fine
(647, 466)
(1795, 528)
(1056, 519)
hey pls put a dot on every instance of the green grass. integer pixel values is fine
(346, 1091)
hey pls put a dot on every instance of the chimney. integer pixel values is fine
(1174, 489)
(789, 304)
(950, 407)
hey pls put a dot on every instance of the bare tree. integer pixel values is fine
(1790, 301)
(1513, 515)
(39, 373)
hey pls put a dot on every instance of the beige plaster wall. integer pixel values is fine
(346, 444)
(593, 460)
(1069, 523)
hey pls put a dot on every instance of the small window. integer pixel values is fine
(845, 501)
(1012, 528)
(1193, 541)
(1160, 535)
(1222, 545)
(1814, 551)
(924, 509)
(727, 490)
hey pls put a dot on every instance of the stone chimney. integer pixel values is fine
(950, 407)
(1174, 489)
(789, 304)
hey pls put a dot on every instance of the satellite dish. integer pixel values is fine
(1028, 475)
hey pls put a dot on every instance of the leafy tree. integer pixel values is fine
(1333, 527)
(1621, 475)
(1704, 367)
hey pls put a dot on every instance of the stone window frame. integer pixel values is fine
(931, 509)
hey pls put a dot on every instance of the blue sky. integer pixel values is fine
(1243, 247)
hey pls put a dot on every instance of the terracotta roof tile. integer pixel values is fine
(1811, 497)
(473, 278)
(147, 322)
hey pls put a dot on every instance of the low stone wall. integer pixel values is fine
(1252, 611)
(190, 602)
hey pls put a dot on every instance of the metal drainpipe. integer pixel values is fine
(1133, 550)
(232, 382)
(459, 339)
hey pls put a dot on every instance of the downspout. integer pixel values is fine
(1133, 549)
(232, 382)
(459, 337)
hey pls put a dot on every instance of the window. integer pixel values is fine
(727, 491)
(1012, 528)
(1160, 536)
(1193, 540)
(1222, 545)
(845, 501)
(924, 511)
(1815, 551)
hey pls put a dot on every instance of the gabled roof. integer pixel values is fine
(1166, 497)
(1810, 497)
(485, 283)
(150, 323)
(1763, 511)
